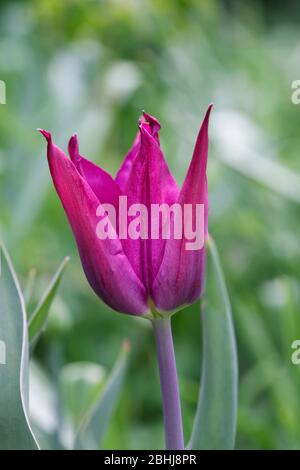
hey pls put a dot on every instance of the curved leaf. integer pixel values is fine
(81, 384)
(39, 317)
(215, 420)
(15, 429)
(96, 423)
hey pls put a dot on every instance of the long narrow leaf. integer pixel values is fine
(81, 384)
(15, 429)
(39, 317)
(215, 420)
(95, 426)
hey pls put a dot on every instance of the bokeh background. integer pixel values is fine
(91, 67)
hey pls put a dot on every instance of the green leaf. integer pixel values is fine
(39, 317)
(215, 420)
(97, 420)
(28, 289)
(15, 429)
(81, 384)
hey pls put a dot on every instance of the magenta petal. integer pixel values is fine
(151, 124)
(125, 169)
(153, 127)
(104, 261)
(181, 275)
(149, 182)
(101, 182)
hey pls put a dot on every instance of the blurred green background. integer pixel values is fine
(91, 67)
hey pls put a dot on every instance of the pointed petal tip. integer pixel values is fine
(46, 134)
(205, 122)
(73, 141)
(149, 124)
(207, 114)
(73, 146)
(153, 123)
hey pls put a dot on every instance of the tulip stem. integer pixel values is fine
(168, 383)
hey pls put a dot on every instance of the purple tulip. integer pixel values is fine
(131, 275)
(149, 275)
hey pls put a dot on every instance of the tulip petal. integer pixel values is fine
(101, 182)
(149, 182)
(125, 169)
(153, 127)
(151, 124)
(104, 261)
(180, 279)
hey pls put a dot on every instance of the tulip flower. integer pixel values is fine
(151, 277)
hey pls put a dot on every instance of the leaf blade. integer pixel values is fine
(15, 428)
(215, 420)
(94, 427)
(39, 317)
